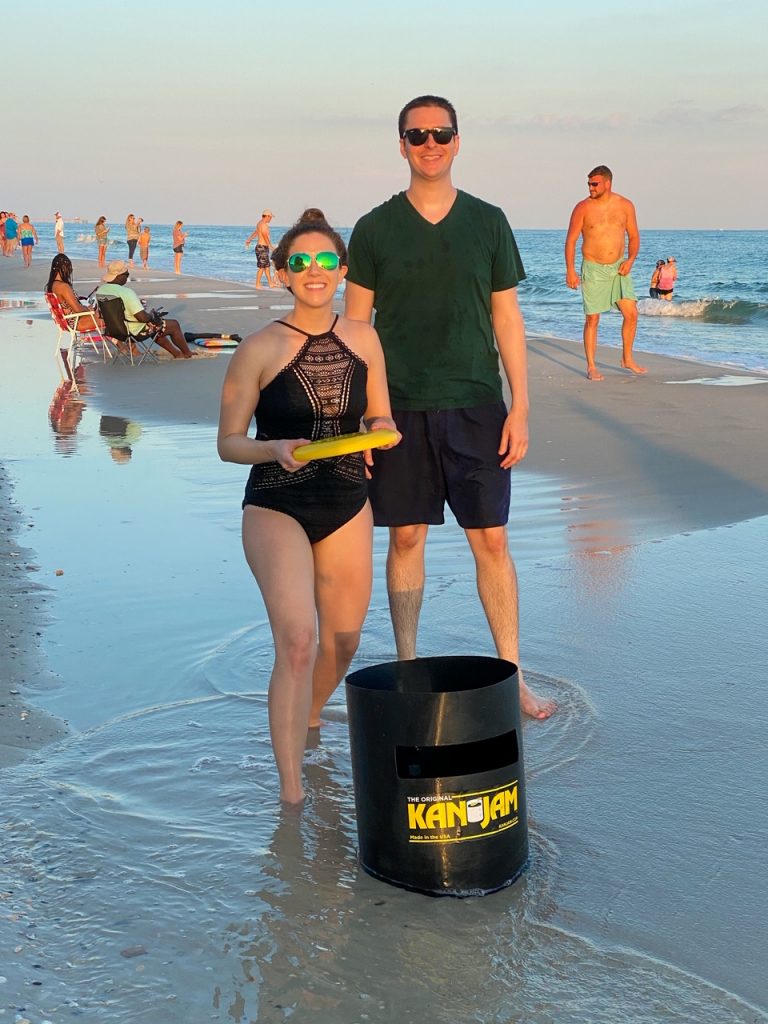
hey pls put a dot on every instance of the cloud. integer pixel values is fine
(680, 114)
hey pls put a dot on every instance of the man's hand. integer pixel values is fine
(625, 267)
(572, 279)
(514, 440)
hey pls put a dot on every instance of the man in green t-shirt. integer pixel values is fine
(441, 269)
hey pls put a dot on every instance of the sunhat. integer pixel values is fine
(115, 269)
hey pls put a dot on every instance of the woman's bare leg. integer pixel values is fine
(343, 573)
(280, 557)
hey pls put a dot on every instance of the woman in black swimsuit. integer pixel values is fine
(307, 527)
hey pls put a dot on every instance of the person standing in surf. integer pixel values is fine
(179, 238)
(262, 248)
(441, 268)
(607, 223)
(307, 529)
(667, 277)
(102, 240)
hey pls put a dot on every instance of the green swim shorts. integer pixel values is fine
(602, 286)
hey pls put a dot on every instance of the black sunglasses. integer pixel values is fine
(418, 136)
(592, 184)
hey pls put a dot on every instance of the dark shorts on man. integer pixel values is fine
(447, 455)
(262, 257)
(178, 248)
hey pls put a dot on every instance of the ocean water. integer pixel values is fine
(719, 313)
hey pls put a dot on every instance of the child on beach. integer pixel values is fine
(29, 239)
(144, 239)
(101, 231)
(179, 238)
(307, 526)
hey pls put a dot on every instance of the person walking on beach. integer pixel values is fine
(11, 234)
(29, 239)
(179, 238)
(262, 248)
(58, 232)
(606, 222)
(166, 333)
(132, 231)
(667, 278)
(102, 231)
(145, 237)
(307, 529)
(441, 269)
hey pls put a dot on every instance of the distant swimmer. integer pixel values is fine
(262, 248)
(604, 220)
(653, 289)
(667, 278)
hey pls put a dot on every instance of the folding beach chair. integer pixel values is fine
(112, 312)
(68, 324)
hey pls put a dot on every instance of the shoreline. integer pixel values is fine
(24, 727)
(666, 473)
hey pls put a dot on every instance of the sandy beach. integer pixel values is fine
(135, 762)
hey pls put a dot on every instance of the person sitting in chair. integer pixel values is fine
(138, 322)
(60, 285)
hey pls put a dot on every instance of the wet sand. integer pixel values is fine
(642, 563)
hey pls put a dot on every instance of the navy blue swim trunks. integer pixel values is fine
(452, 456)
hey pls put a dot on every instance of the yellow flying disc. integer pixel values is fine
(326, 447)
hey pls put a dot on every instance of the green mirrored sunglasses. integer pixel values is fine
(301, 261)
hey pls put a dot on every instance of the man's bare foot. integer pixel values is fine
(535, 706)
(633, 367)
(594, 374)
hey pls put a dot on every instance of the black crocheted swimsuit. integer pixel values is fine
(320, 393)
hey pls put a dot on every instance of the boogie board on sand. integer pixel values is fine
(208, 340)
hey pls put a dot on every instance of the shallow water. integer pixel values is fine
(155, 830)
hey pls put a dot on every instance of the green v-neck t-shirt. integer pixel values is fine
(432, 286)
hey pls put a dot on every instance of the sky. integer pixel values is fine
(210, 111)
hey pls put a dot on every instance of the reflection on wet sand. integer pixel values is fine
(293, 954)
(119, 434)
(66, 412)
(602, 553)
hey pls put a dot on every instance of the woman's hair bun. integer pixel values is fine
(312, 216)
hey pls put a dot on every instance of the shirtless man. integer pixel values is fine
(262, 248)
(604, 220)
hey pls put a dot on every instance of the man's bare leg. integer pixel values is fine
(628, 310)
(591, 322)
(497, 587)
(405, 585)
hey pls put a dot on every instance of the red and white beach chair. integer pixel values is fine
(67, 355)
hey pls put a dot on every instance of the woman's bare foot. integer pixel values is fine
(594, 374)
(292, 805)
(535, 706)
(633, 367)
